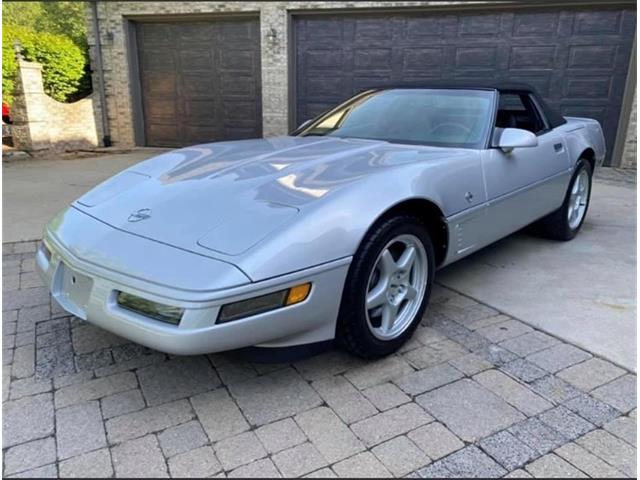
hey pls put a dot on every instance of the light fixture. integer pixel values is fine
(272, 36)
(264, 303)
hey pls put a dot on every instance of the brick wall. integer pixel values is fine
(44, 124)
(630, 152)
(275, 68)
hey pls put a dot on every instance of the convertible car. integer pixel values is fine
(333, 232)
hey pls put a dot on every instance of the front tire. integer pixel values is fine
(565, 223)
(387, 288)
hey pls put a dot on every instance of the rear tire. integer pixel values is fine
(565, 223)
(387, 288)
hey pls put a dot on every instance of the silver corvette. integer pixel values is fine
(335, 231)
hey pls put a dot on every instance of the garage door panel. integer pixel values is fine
(194, 34)
(323, 87)
(188, 81)
(476, 57)
(197, 60)
(422, 59)
(238, 133)
(365, 29)
(164, 135)
(238, 60)
(372, 58)
(484, 25)
(201, 112)
(162, 109)
(587, 88)
(239, 31)
(239, 113)
(326, 59)
(154, 34)
(236, 85)
(576, 58)
(157, 61)
(535, 24)
(531, 58)
(200, 133)
(421, 28)
(197, 86)
(159, 85)
(605, 23)
(592, 56)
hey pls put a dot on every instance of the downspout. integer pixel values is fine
(106, 137)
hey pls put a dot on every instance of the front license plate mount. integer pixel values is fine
(72, 290)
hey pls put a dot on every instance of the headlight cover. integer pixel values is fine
(148, 308)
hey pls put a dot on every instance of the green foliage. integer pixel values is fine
(63, 61)
(9, 68)
(62, 18)
(21, 14)
(66, 18)
(54, 34)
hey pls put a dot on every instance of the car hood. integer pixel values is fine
(223, 198)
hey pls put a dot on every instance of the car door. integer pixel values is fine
(526, 183)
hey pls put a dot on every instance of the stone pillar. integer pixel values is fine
(29, 113)
(275, 81)
(630, 152)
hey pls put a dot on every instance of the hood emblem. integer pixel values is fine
(138, 216)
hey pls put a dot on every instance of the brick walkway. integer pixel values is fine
(476, 393)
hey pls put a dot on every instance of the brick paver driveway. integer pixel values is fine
(474, 393)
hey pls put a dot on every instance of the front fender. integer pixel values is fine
(334, 227)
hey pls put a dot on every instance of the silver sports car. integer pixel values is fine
(335, 231)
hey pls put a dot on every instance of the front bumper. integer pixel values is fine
(89, 292)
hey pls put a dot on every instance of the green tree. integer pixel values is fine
(63, 62)
(62, 18)
(54, 34)
(66, 18)
(21, 14)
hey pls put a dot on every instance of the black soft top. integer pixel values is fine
(553, 117)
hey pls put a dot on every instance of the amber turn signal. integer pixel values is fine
(298, 294)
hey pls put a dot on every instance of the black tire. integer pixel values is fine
(352, 330)
(556, 225)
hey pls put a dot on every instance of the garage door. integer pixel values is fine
(578, 59)
(200, 82)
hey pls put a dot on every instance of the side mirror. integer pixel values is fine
(509, 138)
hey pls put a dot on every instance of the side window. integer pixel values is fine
(519, 111)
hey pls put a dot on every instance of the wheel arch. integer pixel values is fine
(590, 156)
(432, 216)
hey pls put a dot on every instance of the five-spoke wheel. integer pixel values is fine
(578, 199)
(388, 286)
(565, 222)
(397, 284)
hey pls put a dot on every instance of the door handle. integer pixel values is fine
(557, 147)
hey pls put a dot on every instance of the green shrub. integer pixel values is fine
(63, 62)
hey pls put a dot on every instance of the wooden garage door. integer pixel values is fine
(578, 59)
(200, 82)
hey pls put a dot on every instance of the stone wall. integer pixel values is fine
(42, 124)
(630, 152)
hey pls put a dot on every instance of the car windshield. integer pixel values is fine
(436, 117)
